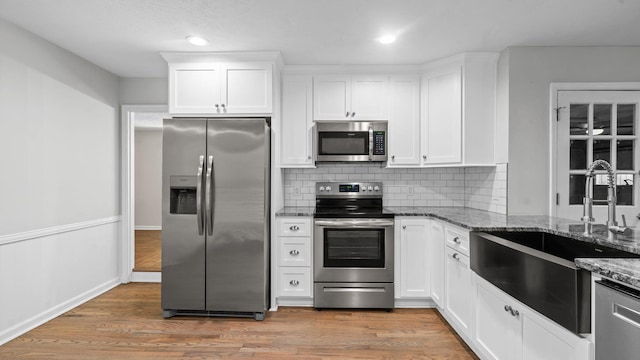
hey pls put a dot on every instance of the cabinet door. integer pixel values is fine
(543, 339)
(436, 262)
(369, 99)
(297, 136)
(247, 88)
(497, 332)
(458, 289)
(194, 88)
(442, 117)
(414, 255)
(404, 121)
(331, 98)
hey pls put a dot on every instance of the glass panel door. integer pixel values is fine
(596, 125)
(363, 248)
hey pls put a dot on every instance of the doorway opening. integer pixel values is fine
(142, 192)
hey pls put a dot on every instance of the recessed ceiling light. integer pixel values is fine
(197, 40)
(386, 39)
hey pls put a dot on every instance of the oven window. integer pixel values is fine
(362, 248)
(343, 143)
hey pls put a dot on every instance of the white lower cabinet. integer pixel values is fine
(458, 291)
(436, 262)
(294, 281)
(505, 329)
(412, 278)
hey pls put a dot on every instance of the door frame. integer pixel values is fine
(555, 87)
(127, 194)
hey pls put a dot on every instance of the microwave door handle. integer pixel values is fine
(370, 143)
(199, 214)
(209, 196)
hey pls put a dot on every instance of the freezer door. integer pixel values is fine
(237, 242)
(183, 243)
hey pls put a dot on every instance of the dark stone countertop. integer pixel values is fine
(625, 270)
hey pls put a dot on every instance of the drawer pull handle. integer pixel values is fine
(456, 256)
(456, 240)
(294, 252)
(511, 310)
(294, 282)
(294, 228)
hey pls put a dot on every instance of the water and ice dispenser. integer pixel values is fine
(183, 194)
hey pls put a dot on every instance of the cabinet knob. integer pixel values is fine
(404, 227)
(507, 308)
(294, 228)
(347, 114)
(353, 114)
(456, 256)
(294, 252)
(424, 157)
(294, 282)
(217, 106)
(308, 157)
(456, 240)
(393, 157)
(223, 106)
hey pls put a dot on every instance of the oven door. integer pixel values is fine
(353, 250)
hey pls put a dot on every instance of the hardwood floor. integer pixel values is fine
(148, 250)
(126, 323)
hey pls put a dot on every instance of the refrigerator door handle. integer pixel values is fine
(209, 196)
(199, 213)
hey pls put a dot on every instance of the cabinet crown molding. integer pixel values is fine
(236, 56)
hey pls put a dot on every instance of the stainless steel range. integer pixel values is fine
(353, 247)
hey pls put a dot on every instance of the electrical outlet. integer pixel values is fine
(296, 190)
(410, 189)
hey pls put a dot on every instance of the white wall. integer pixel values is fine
(148, 179)
(144, 91)
(59, 151)
(531, 70)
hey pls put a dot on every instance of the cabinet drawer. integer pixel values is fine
(457, 240)
(295, 227)
(295, 251)
(458, 256)
(294, 282)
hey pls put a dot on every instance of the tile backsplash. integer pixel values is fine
(482, 188)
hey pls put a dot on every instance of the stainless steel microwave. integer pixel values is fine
(350, 141)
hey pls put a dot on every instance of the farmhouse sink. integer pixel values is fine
(538, 269)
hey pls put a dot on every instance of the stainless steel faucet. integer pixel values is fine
(587, 211)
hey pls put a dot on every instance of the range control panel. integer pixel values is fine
(349, 189)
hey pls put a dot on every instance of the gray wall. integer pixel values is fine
(148, 179)
(531, 70)
(144, 91)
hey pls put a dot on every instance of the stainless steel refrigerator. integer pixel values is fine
(215, 217)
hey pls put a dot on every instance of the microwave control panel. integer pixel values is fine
(378, 143)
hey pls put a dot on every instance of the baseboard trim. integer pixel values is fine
(150, 227)
(55, 230)
(37, 320)
(146, 276)
(414, 303)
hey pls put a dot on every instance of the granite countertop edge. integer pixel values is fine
(624, 270)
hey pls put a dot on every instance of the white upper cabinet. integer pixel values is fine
(200, 85)
(297, 125)
(350, 98)
(404, 121)
(457, 111)
(442, 116)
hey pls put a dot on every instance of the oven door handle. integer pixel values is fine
(355, 223)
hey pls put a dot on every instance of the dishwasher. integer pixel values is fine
(617, 321)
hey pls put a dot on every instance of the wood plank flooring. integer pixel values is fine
(148, 245)
(127, 323)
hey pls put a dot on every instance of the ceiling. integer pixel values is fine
(126, 36)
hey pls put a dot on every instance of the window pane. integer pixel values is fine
(626, 119)
(576, 189)
(602, 119)
(625, 154)
(578, 155)
(602, 150)
(579, 119)
(624, 189)
(600, 188)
